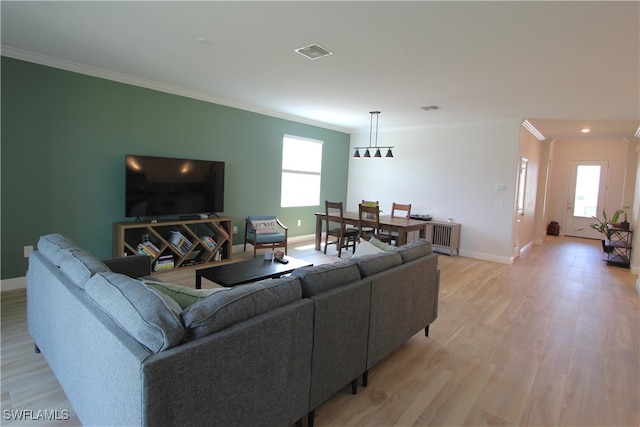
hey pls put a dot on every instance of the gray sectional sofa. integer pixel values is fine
(128, 352)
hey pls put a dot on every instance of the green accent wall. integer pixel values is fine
(65, 135)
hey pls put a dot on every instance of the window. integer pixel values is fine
(301, 169)
(585, 203)
(522, 185)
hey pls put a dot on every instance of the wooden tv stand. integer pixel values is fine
(176, 243)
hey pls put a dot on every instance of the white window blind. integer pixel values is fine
(301, 171)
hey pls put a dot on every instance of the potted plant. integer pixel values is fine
(603, 226)
(624, 224)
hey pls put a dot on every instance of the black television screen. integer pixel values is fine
(157, 186)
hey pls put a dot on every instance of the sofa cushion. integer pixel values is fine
(416, 249)
(382, 245)
(365, 248)
(223, 309)
(140, 311)
(270, 238)
(375, 263)
(79, 266)
(183, 295)
(320, 278)
(55, 246)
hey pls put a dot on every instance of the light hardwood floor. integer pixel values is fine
(552, 340)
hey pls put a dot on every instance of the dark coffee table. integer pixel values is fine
(238, 273)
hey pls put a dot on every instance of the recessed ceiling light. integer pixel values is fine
(585, 130)
(314, 51)
(430, 108)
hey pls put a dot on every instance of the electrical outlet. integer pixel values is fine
(27, 250)
(235, 229)
(299, 222)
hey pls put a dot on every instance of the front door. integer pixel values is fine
(587, 194)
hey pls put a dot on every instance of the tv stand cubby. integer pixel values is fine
(176, 243)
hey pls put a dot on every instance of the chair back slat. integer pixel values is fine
(400, 207)
(334, 213)
(368, 216)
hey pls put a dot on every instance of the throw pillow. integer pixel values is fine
(139, 311)
(365, 248)
(170, 302)
(382, 245)
(183, 295)
(265, 226)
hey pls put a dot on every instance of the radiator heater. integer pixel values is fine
(445, 236)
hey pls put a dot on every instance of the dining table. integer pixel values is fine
(402, 226)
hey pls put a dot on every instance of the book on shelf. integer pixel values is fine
(181, 243)
(224, 231)
(192, 262)
(148, 248)
(164, 263)
(143, 250)
(209, 242)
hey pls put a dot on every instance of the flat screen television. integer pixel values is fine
(163, 186)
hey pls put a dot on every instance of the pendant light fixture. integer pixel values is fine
(373, 138)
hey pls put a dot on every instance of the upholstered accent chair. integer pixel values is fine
(336, 227)
(265, 231)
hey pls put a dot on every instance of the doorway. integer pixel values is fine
(586, 196)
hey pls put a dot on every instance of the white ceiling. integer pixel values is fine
(561, 65)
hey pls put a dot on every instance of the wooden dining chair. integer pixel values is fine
(336, 227)
(369, 223)
(372, 203)
(398, 210)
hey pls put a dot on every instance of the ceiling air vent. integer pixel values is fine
(313, 51)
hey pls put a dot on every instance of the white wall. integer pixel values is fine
(449, 171)
(621, 183)
(528, 227)
(635, 215)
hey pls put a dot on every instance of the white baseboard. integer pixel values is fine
(13, 283)
(486, 257)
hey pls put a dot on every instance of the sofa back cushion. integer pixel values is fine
(79, 266)
(55, 246)
(140, 311)
(416, 249)
(225, 308)
(375, 263)
(321, 278)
